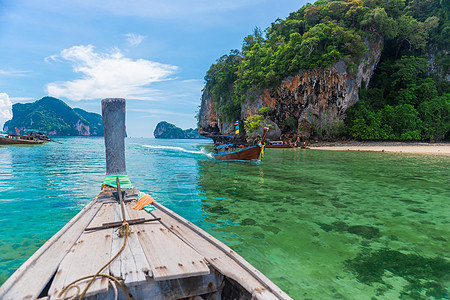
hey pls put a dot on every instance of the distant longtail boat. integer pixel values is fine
(278, 144)
(21, 139)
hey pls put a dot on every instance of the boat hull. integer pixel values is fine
(251, 153)
(9, 141)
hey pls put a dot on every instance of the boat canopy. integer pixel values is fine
(222, 135)
(226, 145)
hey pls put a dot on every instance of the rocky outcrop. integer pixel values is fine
(436, 58)
(83, 129)
(166, 130)
(311, 101)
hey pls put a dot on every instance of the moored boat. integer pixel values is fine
(19, 139)
(240, 151)
(278, 144)
(153, 255)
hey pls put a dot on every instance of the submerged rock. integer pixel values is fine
(367, 232)
(425, 275)
(248, 221)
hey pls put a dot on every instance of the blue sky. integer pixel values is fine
(152, 53)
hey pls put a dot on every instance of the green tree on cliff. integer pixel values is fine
(404, 104)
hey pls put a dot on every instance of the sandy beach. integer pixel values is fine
(396, 147)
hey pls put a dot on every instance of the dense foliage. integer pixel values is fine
(402, 103)
(328, 31)
(53, 116)
(407, 99)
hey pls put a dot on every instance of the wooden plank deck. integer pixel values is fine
(168, 255)
(132, 265)
(88, 255)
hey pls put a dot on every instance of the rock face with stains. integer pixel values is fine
(311, 101)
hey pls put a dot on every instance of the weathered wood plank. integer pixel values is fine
(131, 265)
(91, 252)
(184, 288)
(219, 255)
(24, 284)
(169, 257)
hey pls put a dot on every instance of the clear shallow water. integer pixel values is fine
(320, 224)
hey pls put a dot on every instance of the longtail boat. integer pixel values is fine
(114, 250)
(278, 144)
(240, 152)
(18, 139)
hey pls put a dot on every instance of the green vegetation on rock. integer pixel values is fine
(55, 117)
(403, 103)
(253, 123)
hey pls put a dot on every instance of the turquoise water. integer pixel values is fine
(320, 224)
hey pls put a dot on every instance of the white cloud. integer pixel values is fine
(5, 109)
(109, 75)
(51, 58)
(134, 39)
(13, 72)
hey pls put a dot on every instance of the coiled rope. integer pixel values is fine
(124, 230)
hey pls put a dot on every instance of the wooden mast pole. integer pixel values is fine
(113, 113)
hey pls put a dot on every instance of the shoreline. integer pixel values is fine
(391, 147)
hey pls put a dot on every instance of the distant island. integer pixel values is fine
(165, 130)
(54, 117)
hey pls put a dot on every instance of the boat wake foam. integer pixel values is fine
(202, 151)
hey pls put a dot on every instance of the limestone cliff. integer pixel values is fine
(313, 100)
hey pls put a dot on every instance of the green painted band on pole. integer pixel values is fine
(124, 181)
